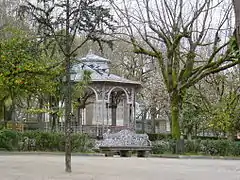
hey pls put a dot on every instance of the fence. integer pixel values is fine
(92, 130)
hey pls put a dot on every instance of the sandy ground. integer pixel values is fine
(46, 167)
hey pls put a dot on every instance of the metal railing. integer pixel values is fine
(92, 130)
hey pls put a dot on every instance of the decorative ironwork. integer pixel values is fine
(93, 130)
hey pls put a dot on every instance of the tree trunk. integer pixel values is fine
(144, 117)
(236, 4)
(1, 110)
(153, 113)
(68, 91)
(54, 122)
(175, 101)
(8, 112)
(68, 118)
(53, 101)
(5, 116)
(40, 115)
(40, 106)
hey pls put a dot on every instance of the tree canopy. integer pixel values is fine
(188, 46)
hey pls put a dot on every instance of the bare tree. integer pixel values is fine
(62, 21)
(185, 38)
(236, 5)
(8, 13)
(153, 96)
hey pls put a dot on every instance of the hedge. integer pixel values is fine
(162, 136)
(155, 137)
(204, 147)
(42, 141)
(53, 141)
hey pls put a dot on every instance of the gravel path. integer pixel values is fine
(46, 167)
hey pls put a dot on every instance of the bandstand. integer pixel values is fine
(108, 104)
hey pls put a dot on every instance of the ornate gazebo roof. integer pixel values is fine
(99, 68)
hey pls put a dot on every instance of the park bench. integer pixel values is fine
(124, 143)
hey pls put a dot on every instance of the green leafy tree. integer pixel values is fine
(212, 105)
(193, 113)
(88, 19)
(225, 114)
(24, 70)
